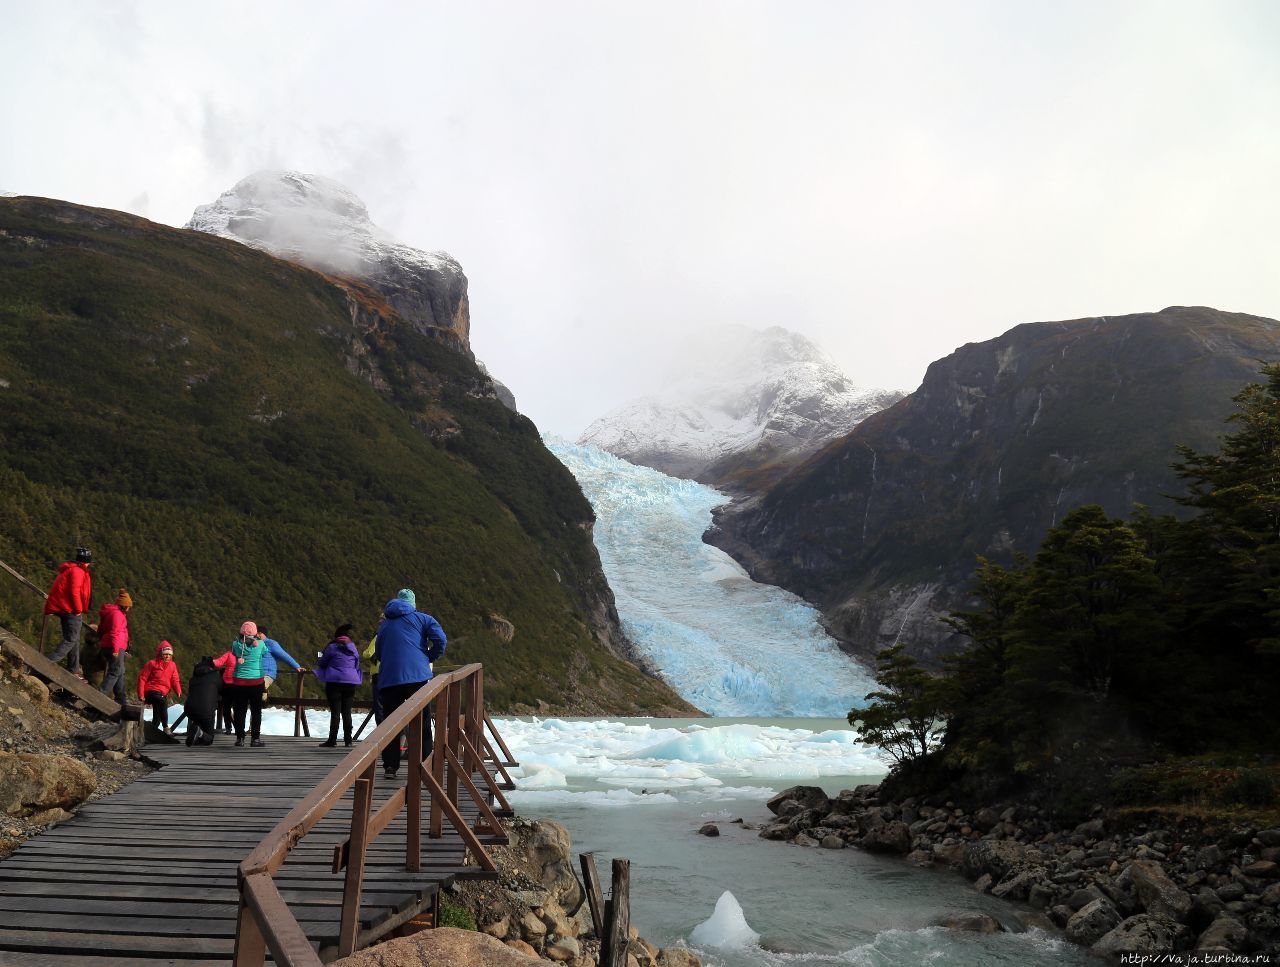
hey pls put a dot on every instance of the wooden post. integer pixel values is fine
(501, 745)
(251, 946)
(361, 804)
(413, 797)
(475, 720)
(454, 693)
(595, 899)
(300, 724)
(437, 764)
(613, 952)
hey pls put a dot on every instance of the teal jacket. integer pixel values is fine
(252, 654)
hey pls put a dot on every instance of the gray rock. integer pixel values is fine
(1269, 837)
(1061, 915)
(1205, 907)
(32, 783)
(1225, 935)
(1145, 933)
(1092, 922)
(1082, 898)
(831, 841)
(1271, 896)
(986, 818)
(810, 797)
(892, 837)
(1017, 884)
(804, 839)
(1209, 857)
(776, 831)
(973, 923)
(1156, 892)
(991, 856)
(709, 829)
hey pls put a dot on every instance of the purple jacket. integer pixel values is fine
(340, 663)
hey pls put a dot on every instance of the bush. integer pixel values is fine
(455, 915)
(1253, 787)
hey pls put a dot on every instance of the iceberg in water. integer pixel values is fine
(727, 926)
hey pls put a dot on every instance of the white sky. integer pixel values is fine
(891, 179)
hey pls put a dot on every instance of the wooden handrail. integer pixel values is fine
(265, 921)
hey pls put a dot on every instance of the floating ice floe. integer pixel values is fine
(727, 926)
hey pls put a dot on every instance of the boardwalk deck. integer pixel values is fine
(147, 876)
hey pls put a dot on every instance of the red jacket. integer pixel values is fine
(227, 662)
(113, 629)
(159, 675)
(70, 591)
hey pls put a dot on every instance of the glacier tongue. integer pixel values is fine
(730, 646)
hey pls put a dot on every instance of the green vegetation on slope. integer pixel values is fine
(1117, 640)
(213, 424)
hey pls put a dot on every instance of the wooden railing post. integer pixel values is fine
(361, 806)
(413, 797)
(251, 946)
(300, 724)
(475, 717)
(454, 694)
(437, 763)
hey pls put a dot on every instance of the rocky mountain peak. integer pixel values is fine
(324, 225)
(735, 404)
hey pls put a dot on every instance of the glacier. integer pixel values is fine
(730, 646)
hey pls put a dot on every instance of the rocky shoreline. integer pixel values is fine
(1118, 883)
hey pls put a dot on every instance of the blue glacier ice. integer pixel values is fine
(730, 646)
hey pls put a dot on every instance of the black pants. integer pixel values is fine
(393, 696)
(203, 722)
(339, 696)
(224, 706)
(378, 714)
(247, 698)
(159, 708)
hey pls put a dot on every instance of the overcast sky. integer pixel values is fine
(892, 180)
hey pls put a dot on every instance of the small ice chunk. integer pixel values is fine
(727, 926)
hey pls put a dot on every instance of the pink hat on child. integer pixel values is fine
(248, 628)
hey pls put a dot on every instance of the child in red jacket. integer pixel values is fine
(160, 676)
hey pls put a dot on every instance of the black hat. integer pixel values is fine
(342, 630)
(83, 555)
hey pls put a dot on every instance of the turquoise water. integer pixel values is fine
(622, 789)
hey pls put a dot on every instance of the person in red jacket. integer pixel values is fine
(113, 639)
(69, 599)
(159, 677)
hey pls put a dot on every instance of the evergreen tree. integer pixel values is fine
(905, 717)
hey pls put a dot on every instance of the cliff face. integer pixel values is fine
(238, 436)
(881, 528)
(745, 406)
(321, 224)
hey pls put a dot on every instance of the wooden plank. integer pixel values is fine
(354, 880)
(288, 944)
(63, 679)
(613, 952)
(595, 897)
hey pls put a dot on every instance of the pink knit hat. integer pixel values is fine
(249, 628)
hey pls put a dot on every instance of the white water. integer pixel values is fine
(725, 643)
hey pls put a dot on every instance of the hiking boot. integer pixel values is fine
(257, 744)
(239, 740)
(330, 743)
(193, 733)
(388, 773)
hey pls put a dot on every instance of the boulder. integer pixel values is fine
(1017, 884)
(973, 923)
(446, 945)
(1145, 933)
(36, 690)
(709, 829)
(809, 797)
(1262, 869)
(551, 851)
(48, 817)
(1082, 898)
(1225, 935)
(894, 837)
(565, 950)
(532, 927)
(991, 856)
(31, 783)
(1156, 892)
(678, 957)
(523, 947)
(804, 839)
(499, 928)
(831, 842)
(1271, 895)
(1092, 922)
(109, 755)
(986, 819)
(776, 831)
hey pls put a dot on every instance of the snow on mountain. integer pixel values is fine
(322, 224)
(740, 401)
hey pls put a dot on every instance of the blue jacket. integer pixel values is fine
(407, 643)
(340, 663)
(273, 654)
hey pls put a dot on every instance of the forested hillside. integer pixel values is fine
(238, 437)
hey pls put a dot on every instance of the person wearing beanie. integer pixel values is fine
(68, 598)
(407, 643)
(113, 641)
(406, 594)
(246, 683)
(157, 678)
(339, 669)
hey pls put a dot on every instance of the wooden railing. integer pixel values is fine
(460, 749)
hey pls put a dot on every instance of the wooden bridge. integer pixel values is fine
(298, 852)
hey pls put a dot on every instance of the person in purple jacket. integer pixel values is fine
(339, 669)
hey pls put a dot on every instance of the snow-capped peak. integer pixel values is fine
(324, 225)
(762, 393)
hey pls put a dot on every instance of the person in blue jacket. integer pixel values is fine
(407, 643)
(274, 653)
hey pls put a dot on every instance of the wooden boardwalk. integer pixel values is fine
(147, 876)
